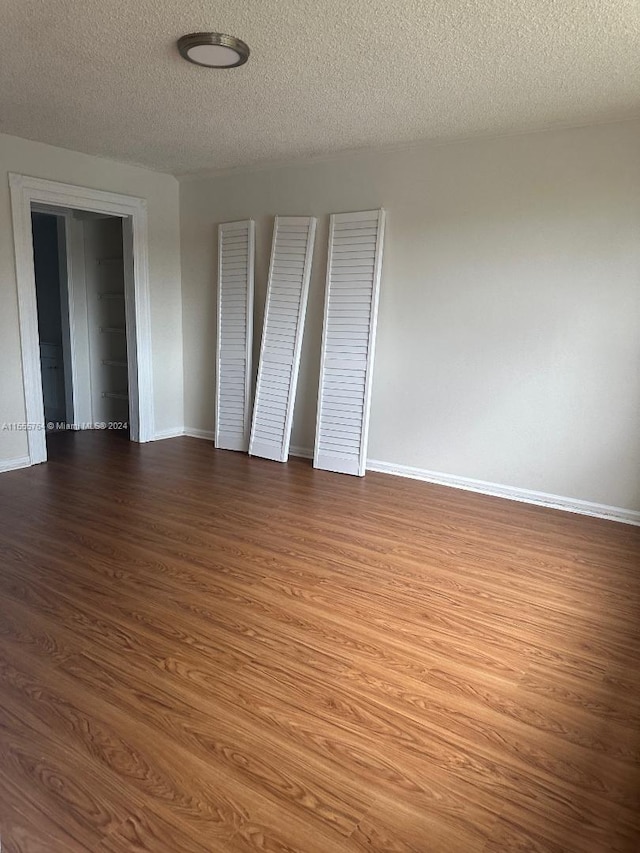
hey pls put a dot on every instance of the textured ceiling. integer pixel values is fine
(324, 75)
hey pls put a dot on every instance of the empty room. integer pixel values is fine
(319, 426)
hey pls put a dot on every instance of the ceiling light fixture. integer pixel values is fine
(213, 50)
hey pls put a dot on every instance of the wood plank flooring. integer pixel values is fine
(202, 652)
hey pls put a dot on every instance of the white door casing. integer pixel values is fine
(348, 341)
(78, 322)
(73, 304)
(286, 305)
(67, 345)
(26, 191)
(236, 261)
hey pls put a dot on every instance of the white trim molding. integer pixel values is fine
(301, 452)
(176, 432)
(596, 510)
(482, 487)
(194, 432)
(26, 190)
(207, 435)
(14, 464)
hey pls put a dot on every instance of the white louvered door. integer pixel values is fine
(348, 341)
(287, 289)
(236, 249)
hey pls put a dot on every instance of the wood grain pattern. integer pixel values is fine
(203, 652)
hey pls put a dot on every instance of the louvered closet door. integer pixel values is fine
(236, 241)
(348, 340)
(285, 308)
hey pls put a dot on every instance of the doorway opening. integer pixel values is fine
(88, 364)
(98, 336)
(51, 285)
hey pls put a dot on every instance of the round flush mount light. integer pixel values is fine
(213, 50)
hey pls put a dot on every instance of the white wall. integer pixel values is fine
(509, 326)
(161, 192)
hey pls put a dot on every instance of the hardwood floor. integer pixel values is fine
(203, 652)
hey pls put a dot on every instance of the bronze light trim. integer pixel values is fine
(188, 42)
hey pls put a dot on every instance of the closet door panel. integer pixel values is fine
(236, 249)
(348, 341)
(287, 289)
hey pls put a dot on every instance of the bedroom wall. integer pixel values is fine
(161, 191)
(509, 326)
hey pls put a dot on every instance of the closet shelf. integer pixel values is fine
(100, 261)
(113, 330)
(111, 296)
(110, 362)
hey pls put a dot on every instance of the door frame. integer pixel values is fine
(25, 191)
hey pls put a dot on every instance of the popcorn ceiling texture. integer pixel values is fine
(324, 75)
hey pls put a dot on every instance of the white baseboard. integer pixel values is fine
(208, 435)
(193, 432)
(302, 452)
(14, 464)
(612, 513)
(168, 433)
(482, 487)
